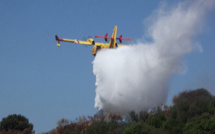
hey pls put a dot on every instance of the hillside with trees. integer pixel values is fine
(192, 112)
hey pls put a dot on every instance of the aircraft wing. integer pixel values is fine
(88, 42)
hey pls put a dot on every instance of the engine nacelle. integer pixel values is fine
(91, 41)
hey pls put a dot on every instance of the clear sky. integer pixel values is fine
(46, 83)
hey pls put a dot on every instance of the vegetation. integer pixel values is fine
(15, 124)
(102, 127)
(192, 112)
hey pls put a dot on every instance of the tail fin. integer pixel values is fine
(56, 38)
(113, 43)
(114, 32)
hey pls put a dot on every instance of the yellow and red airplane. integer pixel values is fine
(96, 45)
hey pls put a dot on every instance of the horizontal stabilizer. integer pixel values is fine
(105, 37)
(120, 39)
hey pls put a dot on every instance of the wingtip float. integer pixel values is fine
(96, 45)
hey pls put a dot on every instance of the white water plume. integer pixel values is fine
(137, 77)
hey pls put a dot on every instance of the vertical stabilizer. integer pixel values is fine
(113, 39)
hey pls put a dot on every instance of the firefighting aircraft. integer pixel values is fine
(96, 45)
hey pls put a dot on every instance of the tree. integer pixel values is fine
(142, 128)
(212, 106)
(143, 115)
(173, 126)
(189, 104)
(15, 123)
(63, 122)
(100, 115)
(137, 128)
(203, 124)
(191, 95)
(102, 127)
(133, 116)
(156, 120)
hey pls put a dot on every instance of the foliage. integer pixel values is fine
(63, 122)
(68, 131)
(173, 126)
(156, 120)
(191, 95)
(189, 104)
(212, 106)
(137, 128)
(142, 128)
(203, 124)
(101, 127)
(143, 116)
(16, 123)
(133, 116)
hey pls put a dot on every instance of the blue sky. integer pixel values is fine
(46, 83)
